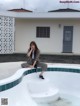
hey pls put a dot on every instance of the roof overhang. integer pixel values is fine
(44, 15)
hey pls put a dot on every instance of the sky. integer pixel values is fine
(37, 5)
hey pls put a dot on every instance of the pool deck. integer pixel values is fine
(7, 69)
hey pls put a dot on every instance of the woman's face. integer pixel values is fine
(33, 47)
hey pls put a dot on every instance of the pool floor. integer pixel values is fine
(64, 100)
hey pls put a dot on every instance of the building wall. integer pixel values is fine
(25, 32)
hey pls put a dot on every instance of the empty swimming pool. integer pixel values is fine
(60, 88)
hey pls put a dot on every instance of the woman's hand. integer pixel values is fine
(29, 53)
(31, 66)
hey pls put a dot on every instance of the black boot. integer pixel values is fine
(41, 76)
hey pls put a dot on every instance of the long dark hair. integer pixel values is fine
(36, 48)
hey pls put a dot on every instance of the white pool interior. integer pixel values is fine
(64, 83)
(42, 91)
(58, 88)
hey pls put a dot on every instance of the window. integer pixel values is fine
(43, 32)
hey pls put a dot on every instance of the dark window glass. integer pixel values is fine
(43, 32)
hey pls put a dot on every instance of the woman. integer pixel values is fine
(33, 55)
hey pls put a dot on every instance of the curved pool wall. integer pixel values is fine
(66, 78)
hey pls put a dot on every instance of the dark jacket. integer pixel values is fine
(36, 58)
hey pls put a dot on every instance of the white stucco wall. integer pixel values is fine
(25, 32)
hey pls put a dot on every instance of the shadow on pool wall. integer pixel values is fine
(44, 57)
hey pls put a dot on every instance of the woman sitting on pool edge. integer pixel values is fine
(33, 61)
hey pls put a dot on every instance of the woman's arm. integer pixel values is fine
(37, 58)
(29, 53)
(34, 63)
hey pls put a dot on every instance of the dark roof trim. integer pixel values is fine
(65, 10)
(20, 10)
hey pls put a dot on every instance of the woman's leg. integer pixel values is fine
(43, 66)
(25, 65)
